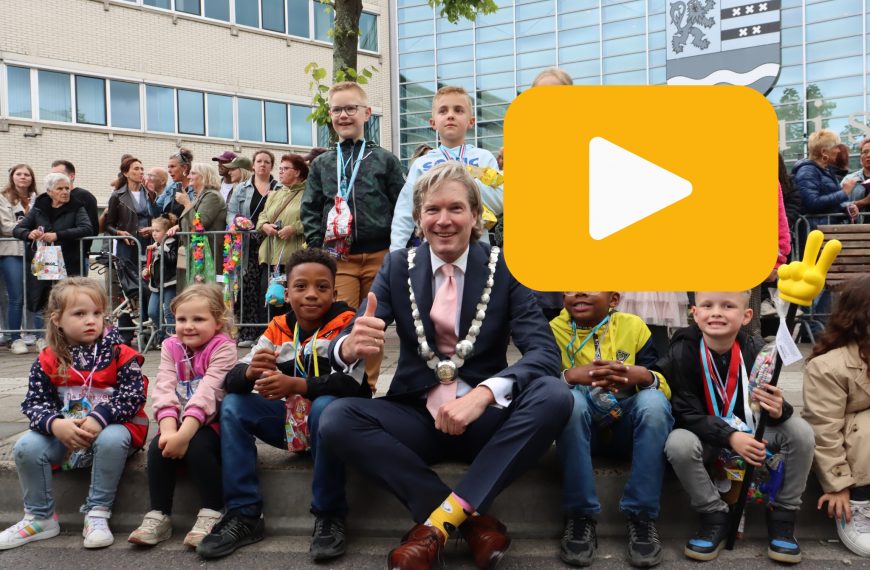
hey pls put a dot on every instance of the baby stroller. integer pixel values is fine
(122, 281)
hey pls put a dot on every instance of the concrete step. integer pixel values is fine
(291, 553)
(530, 507)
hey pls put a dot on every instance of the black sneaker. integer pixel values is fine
(710, 538)
(579, 541)
(644, 546)
(783, 546)
(231, 532)
(328, 539)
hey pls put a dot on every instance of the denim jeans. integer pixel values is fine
(35, 453)
(640, 433)
(12, 270)
(246, 416)
(154, 310)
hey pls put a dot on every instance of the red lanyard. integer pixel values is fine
(727, 390)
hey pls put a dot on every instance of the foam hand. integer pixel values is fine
(801, 281)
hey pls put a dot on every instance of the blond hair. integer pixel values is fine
(450, 171)
(452, 90)
(61, 295)
(820, 141)
(746, 294)
(348, 86)
(559, 75)
(213, 295)
(165, 221)
(211, 180)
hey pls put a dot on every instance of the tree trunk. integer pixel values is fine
(346, 32)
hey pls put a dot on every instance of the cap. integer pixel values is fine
(240, 162)
(225, 156)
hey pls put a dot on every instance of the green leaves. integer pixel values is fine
(453, 10)
(320, 101)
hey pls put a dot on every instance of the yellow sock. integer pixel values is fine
(448, 516)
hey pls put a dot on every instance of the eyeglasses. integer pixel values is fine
(285, 168)
(180, 158)
(349, 109)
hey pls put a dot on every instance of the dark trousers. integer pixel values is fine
(395, 442)
(203, 462)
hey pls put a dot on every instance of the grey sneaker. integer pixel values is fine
(328, 540)
(155, 528)
(644, 546)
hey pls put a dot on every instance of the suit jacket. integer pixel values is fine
(512, 312)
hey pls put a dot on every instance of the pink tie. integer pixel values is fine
(443, 315)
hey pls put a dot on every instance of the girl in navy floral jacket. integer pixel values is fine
(85, 401)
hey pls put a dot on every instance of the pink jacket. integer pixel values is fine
(176, 397)
(784, 233)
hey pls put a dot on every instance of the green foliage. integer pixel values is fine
(453, 10)
(320, 103)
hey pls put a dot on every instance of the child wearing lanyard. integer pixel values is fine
(621, 408)
(187, 395)
(85, 401)
(285, 377)
(707, 365)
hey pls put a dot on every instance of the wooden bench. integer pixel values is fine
(854, 260)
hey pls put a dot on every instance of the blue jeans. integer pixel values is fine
(35, 453)
(154, 310)
(640, 433)
(12, 269)
(246, 416)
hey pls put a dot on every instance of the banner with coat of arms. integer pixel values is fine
(723, 42)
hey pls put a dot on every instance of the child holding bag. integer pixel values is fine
(85, 401)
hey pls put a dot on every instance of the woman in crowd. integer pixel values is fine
(129, 210)
(179, 169)
(280, 222)
(15, 200)
(248, 201)
(205, 183)
(55, 219)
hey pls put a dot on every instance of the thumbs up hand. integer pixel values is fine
(801, 281)
(366, 338)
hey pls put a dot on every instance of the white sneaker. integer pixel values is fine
(96, 532)
(246, 343)
(156, 527)
(40, 344)
(856, 534)
(205, 520)
(29, 339)
(28, 529)
(18, 347)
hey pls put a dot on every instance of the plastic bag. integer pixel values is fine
(47, 263)
(296, 423)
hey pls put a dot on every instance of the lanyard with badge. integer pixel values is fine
(297, 407)
(603, 404)
(188, 380)
(727, 389)
(77, 404)
(339, 221)
(449, 155)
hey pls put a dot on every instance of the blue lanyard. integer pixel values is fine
(345, 186)
(713, 391)
(449, 155)
(573, 354)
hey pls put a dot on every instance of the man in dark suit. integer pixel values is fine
(449, 399)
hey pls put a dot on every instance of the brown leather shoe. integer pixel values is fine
(419, 549)
(487, 538)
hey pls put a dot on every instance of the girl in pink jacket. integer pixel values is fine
(189, 387)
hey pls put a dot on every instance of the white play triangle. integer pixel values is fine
(625, 188)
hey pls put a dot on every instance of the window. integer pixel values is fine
(19, 92)
(217, 9)
(125, 105)
(248, 12)
(300, 126)
(187, 6)
(191, 112)
(220, 116)
(276, 122)
(54, 97)
(165, 4)
(250, 119)
(273, 15)
(368, 27)
(322, 21)
(161, 108)
(372, 131)
(90, 100)
(297, 18)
